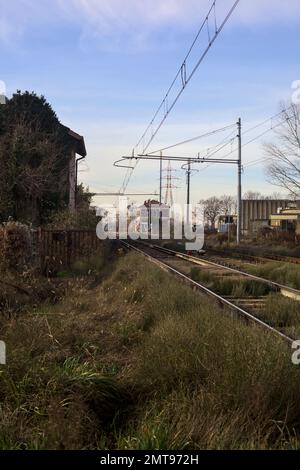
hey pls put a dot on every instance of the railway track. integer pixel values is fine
(247, 306)
(253, 258)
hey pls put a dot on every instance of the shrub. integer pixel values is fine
(83, 218)
(15, 245)
(92, 265)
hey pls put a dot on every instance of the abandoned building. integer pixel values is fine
(281, 214)
(77, 147)
(287, 220)
(256, 214)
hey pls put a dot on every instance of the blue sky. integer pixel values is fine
(104, 65)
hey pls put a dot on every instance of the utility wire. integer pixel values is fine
(257, 162)
(219, 147)
(193, 139)
(262, 134)
(227, 139)
(182, 70)
(266, 120)
(260, 160)
(165, 106)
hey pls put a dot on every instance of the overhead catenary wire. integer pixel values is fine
(250, 141)
(267, 120)
(258, 161)
(271, 128)
(193, 139)
(228, 140)
(164, 104)
(167, 105)
(257, 137)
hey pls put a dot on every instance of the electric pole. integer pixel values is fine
(160, 194)
(239, 199)
(160, 180)
(188, 175)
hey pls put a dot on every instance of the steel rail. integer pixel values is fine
(234, 270)
(241, 312)
(266, 258)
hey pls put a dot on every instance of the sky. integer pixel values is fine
(105, 66)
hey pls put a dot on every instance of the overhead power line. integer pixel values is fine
(228, 140)
(193, 139)
(266, 121)
(258, 161)
(166, 106)
(210, 27)
(250, 141)
(259, 136)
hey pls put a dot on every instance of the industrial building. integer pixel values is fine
(282, 214)
(256, 213)
(287, 220)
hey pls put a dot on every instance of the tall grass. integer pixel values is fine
(231, 286)
(143, 362)
(283, 273)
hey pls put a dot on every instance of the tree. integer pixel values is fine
(284, 169)
(83, 197)
(253, 195)
(212, 209)
(33, 159)
(228, 205)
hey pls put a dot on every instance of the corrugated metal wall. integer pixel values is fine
(260, 209)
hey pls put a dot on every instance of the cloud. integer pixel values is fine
(133, 22)
(6, 31)
(266, 12)
(19, 17)
(111, 15)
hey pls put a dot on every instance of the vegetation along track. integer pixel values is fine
(273, 306)
(244, 255)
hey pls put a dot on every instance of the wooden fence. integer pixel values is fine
(62, 248)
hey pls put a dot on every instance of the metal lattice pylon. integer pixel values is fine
(169, 199)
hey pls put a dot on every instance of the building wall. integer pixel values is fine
(260, 209)
(72, 182)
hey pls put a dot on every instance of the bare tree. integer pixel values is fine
(253, 195)
(276, 195)
(212, 210)
(284, 169)
(228, 204)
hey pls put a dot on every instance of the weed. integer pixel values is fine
(232, 287)
(141, 361)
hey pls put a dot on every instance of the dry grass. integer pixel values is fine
(143, 362)
(283, 273)
(282, 244)
(231, 286)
